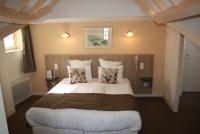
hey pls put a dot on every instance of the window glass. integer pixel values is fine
(13, 42)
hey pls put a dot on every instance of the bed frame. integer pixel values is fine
(130, 62)
(49, 130)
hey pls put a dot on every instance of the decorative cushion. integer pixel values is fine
(119, 74)
(83, 64)
(109, 75)
(77, 75)
(88, 73)
(109, 64)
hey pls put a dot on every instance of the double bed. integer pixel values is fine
(84, 121)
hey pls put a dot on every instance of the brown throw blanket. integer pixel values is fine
(88, 101)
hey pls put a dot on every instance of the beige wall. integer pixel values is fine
(149, 39)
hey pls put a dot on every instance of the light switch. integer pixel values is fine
(56, 66)
(141, 66)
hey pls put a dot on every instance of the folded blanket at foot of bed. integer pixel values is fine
(88, 101)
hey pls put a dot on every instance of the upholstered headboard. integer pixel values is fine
(128, 60)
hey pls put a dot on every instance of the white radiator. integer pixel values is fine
(21, 90)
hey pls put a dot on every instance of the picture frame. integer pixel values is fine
(99, 37)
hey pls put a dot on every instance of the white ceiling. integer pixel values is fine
(77, 10)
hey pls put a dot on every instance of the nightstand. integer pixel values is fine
(52, 82)
(145, 85)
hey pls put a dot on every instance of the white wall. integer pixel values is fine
(172, 57)
(70, 9)
(190, 28)
(11, 71)
(4, 77)
(191, 73)
(3, 123)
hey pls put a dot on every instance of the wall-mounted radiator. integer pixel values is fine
(21, 90)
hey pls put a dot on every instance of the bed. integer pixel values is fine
(79, 121)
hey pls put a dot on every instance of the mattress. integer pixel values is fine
(87, 120)
(122, 87)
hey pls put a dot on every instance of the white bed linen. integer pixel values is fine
(122, 87)
(87, 120)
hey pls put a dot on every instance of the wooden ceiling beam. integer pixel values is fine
(13, 20)
(17, 16)
(11, 13)
(5, 31)
(2, 2)
(22, 4)
(145, 8)
(45, 10)
(37, 6)
(158, 4)
(173, 2)
(185, 9)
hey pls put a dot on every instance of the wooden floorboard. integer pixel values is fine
(157, 118)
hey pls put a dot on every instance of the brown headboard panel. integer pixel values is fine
(128, 61)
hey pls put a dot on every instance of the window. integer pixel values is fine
(105, 33)
(13, 42)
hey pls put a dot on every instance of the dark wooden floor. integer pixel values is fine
(156, 116)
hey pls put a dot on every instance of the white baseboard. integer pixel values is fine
(148, 95)
(169, 104)
(10, 112)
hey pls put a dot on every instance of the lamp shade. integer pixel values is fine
(65, 35)
(129, 34)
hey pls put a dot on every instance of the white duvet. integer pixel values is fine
(87, 120)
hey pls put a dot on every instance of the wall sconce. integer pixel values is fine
(129, 33)
(65, 35)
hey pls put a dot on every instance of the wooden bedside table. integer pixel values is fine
(52, 82)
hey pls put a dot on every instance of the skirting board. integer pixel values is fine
(10, 112)
(148, 95)
(170, 106)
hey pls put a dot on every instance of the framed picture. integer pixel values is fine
(98, 37)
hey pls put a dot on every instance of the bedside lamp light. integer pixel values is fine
(65, 35)
(129, 33)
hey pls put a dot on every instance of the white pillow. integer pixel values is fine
(88, 74)
(119, 73)
(79, 63)
(109, 64)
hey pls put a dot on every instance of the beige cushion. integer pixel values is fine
(109, 75)
(119, 74)
(77, 75)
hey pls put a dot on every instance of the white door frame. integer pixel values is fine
(179, 84)
(3, 122)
